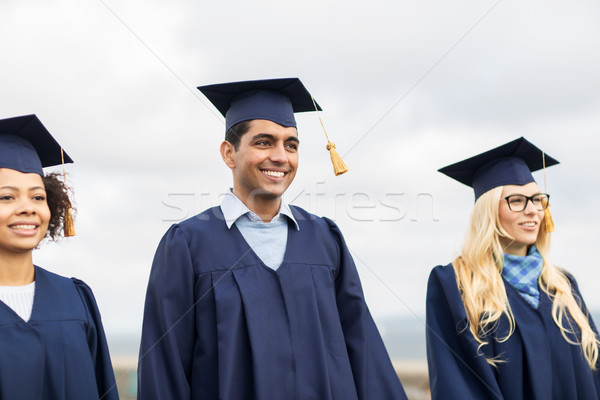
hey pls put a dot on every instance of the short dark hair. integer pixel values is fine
(235, 133)
(57, 196)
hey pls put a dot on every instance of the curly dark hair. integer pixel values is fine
(57, 195)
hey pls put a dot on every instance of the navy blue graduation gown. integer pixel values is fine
(61, 352)
(540, 364)
(219, 324)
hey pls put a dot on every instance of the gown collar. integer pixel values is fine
(233, 209)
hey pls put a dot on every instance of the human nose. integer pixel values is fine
(278, 154)
(25, 207)
(530, 208)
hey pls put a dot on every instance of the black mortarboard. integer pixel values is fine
(27, 146)
(509, 164)
(273, 99)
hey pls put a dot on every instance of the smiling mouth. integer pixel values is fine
(529, 224)
(23, 227)
(274, 174)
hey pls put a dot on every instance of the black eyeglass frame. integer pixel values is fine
(527, 200)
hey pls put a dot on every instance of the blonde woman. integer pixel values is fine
(503, 322)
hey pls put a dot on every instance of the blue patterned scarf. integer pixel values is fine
(522, 273)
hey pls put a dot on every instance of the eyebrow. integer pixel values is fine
(30, 189)
(521, 194)
(272, 137)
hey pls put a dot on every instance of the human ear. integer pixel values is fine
(228, 153)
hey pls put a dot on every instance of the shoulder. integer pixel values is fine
(69, 296)
(443, 274)
(571, 280)
(442, 284)
(206, 219)
(85, 292)
(81, 285)
(302, 215)
(445, 309)
(52, 279)
(574, 287)
(63, 285)
(306, 217)
(207, 222)
(570, 277)
(313, 223)
(329, 228)
(319, 234)
(51, 276)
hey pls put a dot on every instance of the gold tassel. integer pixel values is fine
(68, 223)
(548, 222)
(339, 166)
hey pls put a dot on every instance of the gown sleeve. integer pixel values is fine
(456, 370)
(374, 374)
(167, 345)
(105, 377)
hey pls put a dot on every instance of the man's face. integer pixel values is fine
(265, 162)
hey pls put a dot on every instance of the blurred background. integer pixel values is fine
(407, 87)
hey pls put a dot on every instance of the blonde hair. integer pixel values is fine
(478, 274)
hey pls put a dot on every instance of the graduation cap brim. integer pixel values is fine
(31, 129)
(509, 164)
(272, 99)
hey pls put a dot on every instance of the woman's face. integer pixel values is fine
(24, 212)
(523, 226)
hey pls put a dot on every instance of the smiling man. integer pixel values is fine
(257, 299)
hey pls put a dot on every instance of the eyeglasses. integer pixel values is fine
(518, 202)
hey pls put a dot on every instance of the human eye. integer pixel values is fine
(540, 199)
(6, 197)
(262, 143)
(516, 200)
(292, 146)
(39, 197)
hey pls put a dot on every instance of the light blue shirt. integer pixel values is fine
(267, 239)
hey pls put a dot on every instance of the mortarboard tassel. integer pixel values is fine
(339, 166)
(68, 223)
(548, 221)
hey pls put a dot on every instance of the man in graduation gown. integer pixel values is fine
(258, 299)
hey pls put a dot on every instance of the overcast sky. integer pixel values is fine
(407, 87)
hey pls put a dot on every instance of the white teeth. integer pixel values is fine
(275, 174)
(530, 224)
(23, 227)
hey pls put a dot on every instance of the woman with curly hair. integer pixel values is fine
(503, 322)
(52, 344)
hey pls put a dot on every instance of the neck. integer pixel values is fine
(266, 207)
(16, 269)
(515, 249)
